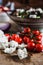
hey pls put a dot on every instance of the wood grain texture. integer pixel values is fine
(34, 59)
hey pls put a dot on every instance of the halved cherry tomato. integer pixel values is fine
(39, 47)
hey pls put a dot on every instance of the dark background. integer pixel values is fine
(30, 3)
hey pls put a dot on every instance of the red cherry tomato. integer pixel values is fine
(39, 37)
(8, 36)
(26, 39)
(39, 41)
(39, 47)
(19, 40)
(31, 46)
(27, 30)
(36, 32)
(32, 40)
(14, 36)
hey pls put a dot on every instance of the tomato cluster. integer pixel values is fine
(29, 37)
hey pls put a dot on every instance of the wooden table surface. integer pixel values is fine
(34, 59)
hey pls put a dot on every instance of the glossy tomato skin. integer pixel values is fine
(36, 32)
(31, 46)
(8, 36)
(39, 37)
(27, 30)
(39, 47)
(39, 41)
(26, 39)
(19, 40)
(14, 36)
(32, 40)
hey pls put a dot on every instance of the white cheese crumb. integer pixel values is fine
(32, 16)
(40, 10)
(22, 45)
(1, 33)
(22, 53)
(9, 50)
(3, 40)
(13, 44)
(31, 9)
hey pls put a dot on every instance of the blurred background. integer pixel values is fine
(27, 3)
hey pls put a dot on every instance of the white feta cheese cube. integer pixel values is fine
(3, 42)
(22, 45)
(1, 33)
(32, 16)
(9, 50)
(18, 10)
(13, 44)
(22, 53)
(40, 10)
(22, 10)
(4, 45)
(31, 9)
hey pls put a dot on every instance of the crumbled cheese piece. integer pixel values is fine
(32, 16)
(22, 45)
(19, 16)
(3, 40)
(20, 10)
(40, 10)
(4, 45)
(31, 9)
(22, 53)
(13, 44)
(1, 33)
(9, 50)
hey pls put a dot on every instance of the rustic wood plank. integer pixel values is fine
(34, 59)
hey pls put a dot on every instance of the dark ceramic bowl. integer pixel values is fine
(32, 23)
